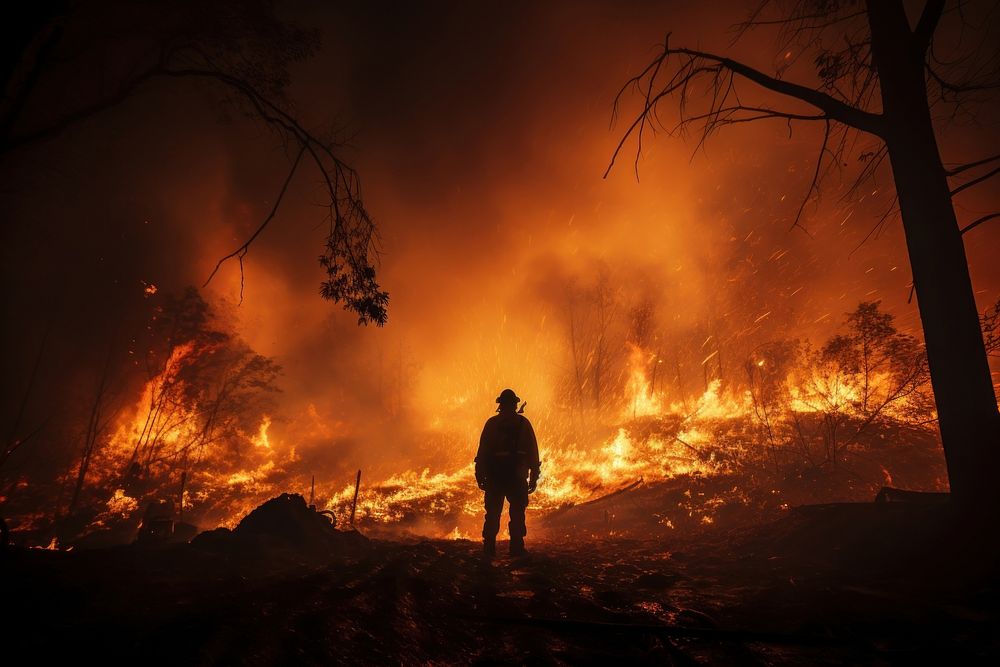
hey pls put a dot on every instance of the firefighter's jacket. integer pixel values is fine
(507, 448)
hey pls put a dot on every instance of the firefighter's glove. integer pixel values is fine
(480, 477)
(532, 482)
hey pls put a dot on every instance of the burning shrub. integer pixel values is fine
(865, 382)
(197, 432)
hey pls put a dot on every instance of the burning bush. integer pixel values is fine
(197, 434)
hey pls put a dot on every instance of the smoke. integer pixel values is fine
(481, 135)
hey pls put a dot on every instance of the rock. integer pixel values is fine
(288, 519)
(283, 527)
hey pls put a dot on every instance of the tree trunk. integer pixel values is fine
(960, 374)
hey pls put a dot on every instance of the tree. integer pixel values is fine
(206, 395)
(877, 77)
(886, 366)
(767, 370)
(97, 424)
(869, 375)
(604, 300)
(204, 386)
(64, 63)
(590, 308)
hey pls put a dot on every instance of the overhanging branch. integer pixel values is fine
(814, 183)
(975, 223)
(242, 251)
(654, 83)
(975, 181)
(971, 165)
(351, 242)
(834, 108)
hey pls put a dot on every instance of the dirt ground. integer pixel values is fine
(840, 584)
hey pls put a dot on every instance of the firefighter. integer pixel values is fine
(507, 467)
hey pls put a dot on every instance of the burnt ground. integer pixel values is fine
(857, 584)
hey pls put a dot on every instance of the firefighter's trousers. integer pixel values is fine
(515, 492)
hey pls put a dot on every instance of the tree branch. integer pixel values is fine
(975, 223)
(351, 241)
(722, 73)
(975, 181)
(814, 182)
(837, 110)
(242, 251)
(958, 88)
(971, 165)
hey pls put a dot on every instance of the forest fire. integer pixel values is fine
(199, 435)
(736, 435)
(575, 332)
(659, 334)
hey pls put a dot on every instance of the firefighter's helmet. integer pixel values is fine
(508, 397)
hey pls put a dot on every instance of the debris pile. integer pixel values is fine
(284, 524)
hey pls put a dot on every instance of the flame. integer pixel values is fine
(642, 401)
(121, 504)
(655, 437)
(655, 440)
(163, 439)
(713, 405)
(457, 534)
(262, 439)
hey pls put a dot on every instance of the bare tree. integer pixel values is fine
(205, 395)
(767, 369)
(605, 307)
(574, 328)
(97, 424)
(876, 77)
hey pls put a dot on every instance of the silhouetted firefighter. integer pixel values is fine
(507, 466)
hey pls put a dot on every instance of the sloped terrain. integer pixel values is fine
(874, 584)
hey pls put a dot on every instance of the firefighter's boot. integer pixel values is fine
(517, 546)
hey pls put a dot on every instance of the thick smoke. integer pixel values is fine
(481, 136)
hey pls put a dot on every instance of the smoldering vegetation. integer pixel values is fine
(629, 315)
(639, 436)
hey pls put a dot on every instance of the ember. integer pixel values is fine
(270, 267)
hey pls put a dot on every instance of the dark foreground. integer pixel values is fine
(843, 584)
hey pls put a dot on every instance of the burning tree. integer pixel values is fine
(869, 379)
(201, 413)
(589, 310)
(767, 371)
(877, 76)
